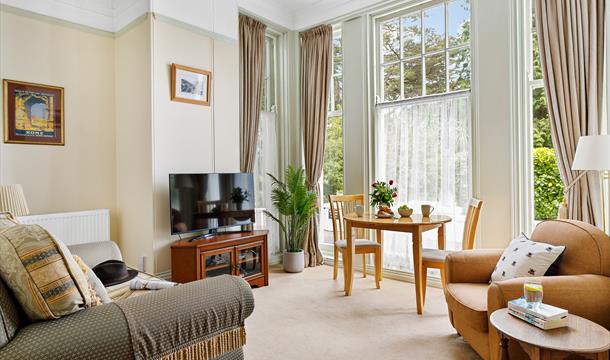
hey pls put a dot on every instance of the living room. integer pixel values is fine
(166, 142)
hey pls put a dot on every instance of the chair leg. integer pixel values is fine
(424, 278)
(443, 277)
(363, 265)
(378, 264)
(336, 264)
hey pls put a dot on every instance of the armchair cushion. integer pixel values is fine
(469, 301)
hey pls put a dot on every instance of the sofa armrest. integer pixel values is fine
(97, 252)
(471, 266)
(100, 332)
(583, 295)
(170, 320)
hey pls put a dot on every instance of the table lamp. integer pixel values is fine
(12, 200)
(593, 154)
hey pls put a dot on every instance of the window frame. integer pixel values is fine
(379, 64)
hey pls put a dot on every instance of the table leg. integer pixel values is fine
(602, 355)
(379, 238)
(441, 237)
(348, 255)
(417, 266)
(503, 347)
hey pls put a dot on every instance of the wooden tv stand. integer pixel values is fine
(236, 253)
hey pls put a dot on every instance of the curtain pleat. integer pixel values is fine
(316, 62)
(251, 77)
(571, 40)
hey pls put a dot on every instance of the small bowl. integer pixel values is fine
(405, 213)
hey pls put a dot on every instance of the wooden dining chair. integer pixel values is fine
(435, 258)
(341, 205)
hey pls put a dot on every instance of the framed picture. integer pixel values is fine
(191, 85)
(33, 113)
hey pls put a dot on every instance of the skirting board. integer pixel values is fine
(389, 274)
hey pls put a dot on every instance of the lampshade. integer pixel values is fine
(592, 153)
(12, 199)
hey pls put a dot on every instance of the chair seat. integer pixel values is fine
(358, 243)
(435, 255)
(469, 301)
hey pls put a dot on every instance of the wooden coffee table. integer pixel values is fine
(581, 336)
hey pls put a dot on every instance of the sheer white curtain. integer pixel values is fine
(266, 162)
(424, 145)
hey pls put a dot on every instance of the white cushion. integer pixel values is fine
(435, 254)
(525, 258)
(359, 242)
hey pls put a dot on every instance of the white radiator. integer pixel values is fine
(74, 227)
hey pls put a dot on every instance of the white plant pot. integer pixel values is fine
(294, 262)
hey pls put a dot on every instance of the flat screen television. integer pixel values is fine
(200, 202)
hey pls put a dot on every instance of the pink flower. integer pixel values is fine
(391, 182)
(394, 194)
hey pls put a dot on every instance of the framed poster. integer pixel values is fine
(191, 85)
(33, 113)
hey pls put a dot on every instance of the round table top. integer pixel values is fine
(580, 336)
(415, 219)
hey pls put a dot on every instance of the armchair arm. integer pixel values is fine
(471, 266)
(583, 295)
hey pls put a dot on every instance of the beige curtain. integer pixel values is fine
(316, 62)
(571, 38)
(251, 76)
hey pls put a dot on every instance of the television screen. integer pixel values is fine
(210, 201)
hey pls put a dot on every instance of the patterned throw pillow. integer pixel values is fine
(7, 220)
(525, 258)
(41, 273)
(98, 292)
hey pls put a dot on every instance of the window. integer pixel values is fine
(547, 184)
(332, 172)
(425, 52)
(423, 122)
(267, 147)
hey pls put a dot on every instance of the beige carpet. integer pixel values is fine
(306, 316)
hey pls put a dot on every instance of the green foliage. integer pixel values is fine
(333, 156)
(383, 193)
(295, 203)
(548, 187)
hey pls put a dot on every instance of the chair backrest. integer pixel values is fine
(587, 247)
(470, 225)
(341, 205)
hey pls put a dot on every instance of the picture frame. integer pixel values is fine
(191, 85)
(33, 113)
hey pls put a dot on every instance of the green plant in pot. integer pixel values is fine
(295, 205)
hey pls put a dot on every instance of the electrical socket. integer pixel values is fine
(142, 263)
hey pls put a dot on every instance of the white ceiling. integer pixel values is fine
(111, 15)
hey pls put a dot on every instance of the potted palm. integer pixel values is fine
(295, 204)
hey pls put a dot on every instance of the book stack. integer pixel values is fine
(543, 316)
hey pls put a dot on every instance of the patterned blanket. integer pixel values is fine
(196, 327)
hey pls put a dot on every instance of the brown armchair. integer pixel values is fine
(582, 285)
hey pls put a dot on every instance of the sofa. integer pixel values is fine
(202, 320)
(582, 285)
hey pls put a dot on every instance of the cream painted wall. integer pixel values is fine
(81, 174)
(186, 137)
(491, 79)
(183, 133)
(134, 165)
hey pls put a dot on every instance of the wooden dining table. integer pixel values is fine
(416, 225)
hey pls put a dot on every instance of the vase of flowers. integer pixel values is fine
(382, 197)
(238, 196)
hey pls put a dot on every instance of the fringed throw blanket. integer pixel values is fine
(201, 320)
